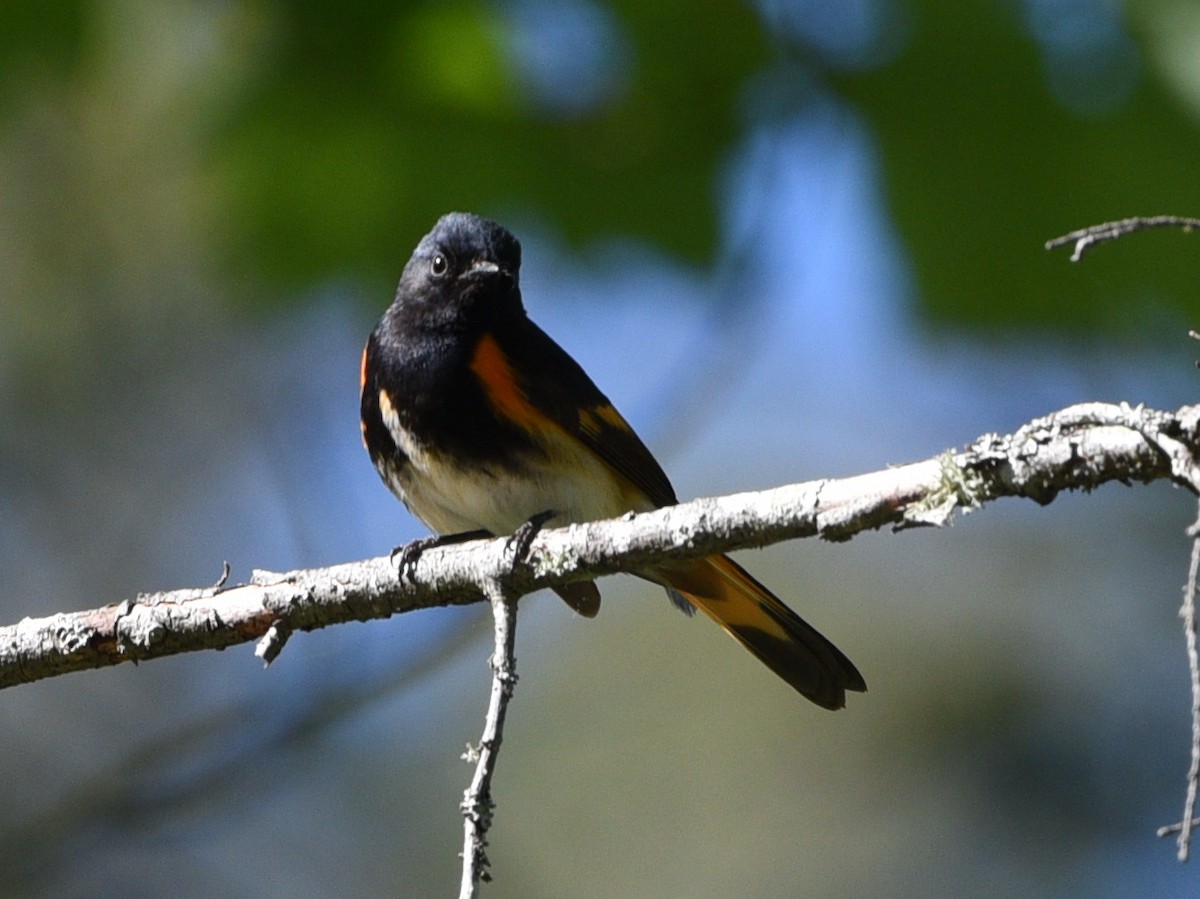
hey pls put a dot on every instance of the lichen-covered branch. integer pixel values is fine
(1079, 447)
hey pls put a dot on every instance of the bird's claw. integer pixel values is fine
(406, 555)
(522, 538)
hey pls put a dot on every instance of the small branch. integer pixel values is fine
(1079, 447)
(1085, 238)
(1188, 613)
(477, 803)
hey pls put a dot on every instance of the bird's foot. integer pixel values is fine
(522, 538)
(406, 555)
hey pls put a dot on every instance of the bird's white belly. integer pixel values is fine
(451, 498)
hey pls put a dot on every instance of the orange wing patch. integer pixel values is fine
(362, 385)
(593, 420)
(500, 384)
(581, 436)
(613, 417)
(588, 424)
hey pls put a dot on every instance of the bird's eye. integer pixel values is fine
(439, 265)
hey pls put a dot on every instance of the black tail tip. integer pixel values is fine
(829, 691)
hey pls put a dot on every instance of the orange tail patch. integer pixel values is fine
(756, 618)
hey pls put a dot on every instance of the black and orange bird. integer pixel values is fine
(479, 422)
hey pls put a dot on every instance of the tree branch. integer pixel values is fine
(1188, 613)
(477, 801)
(1079, 447)
(1085, 238)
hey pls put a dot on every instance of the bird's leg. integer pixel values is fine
(406, 555)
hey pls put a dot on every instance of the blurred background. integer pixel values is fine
(789, 240)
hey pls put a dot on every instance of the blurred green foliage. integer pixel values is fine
(338, 133)
(44, 39)
(359, 134)
(982, 164)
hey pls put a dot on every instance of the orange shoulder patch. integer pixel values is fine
(362, 386)
(500, 384)
(613, 417)
(592, 421)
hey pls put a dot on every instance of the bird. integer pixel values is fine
(480, 423)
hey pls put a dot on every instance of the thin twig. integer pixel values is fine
(1188, 613)
(477, 804)
(1189, 624)
(1084, 238)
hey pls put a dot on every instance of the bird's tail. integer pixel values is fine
(757, 619)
